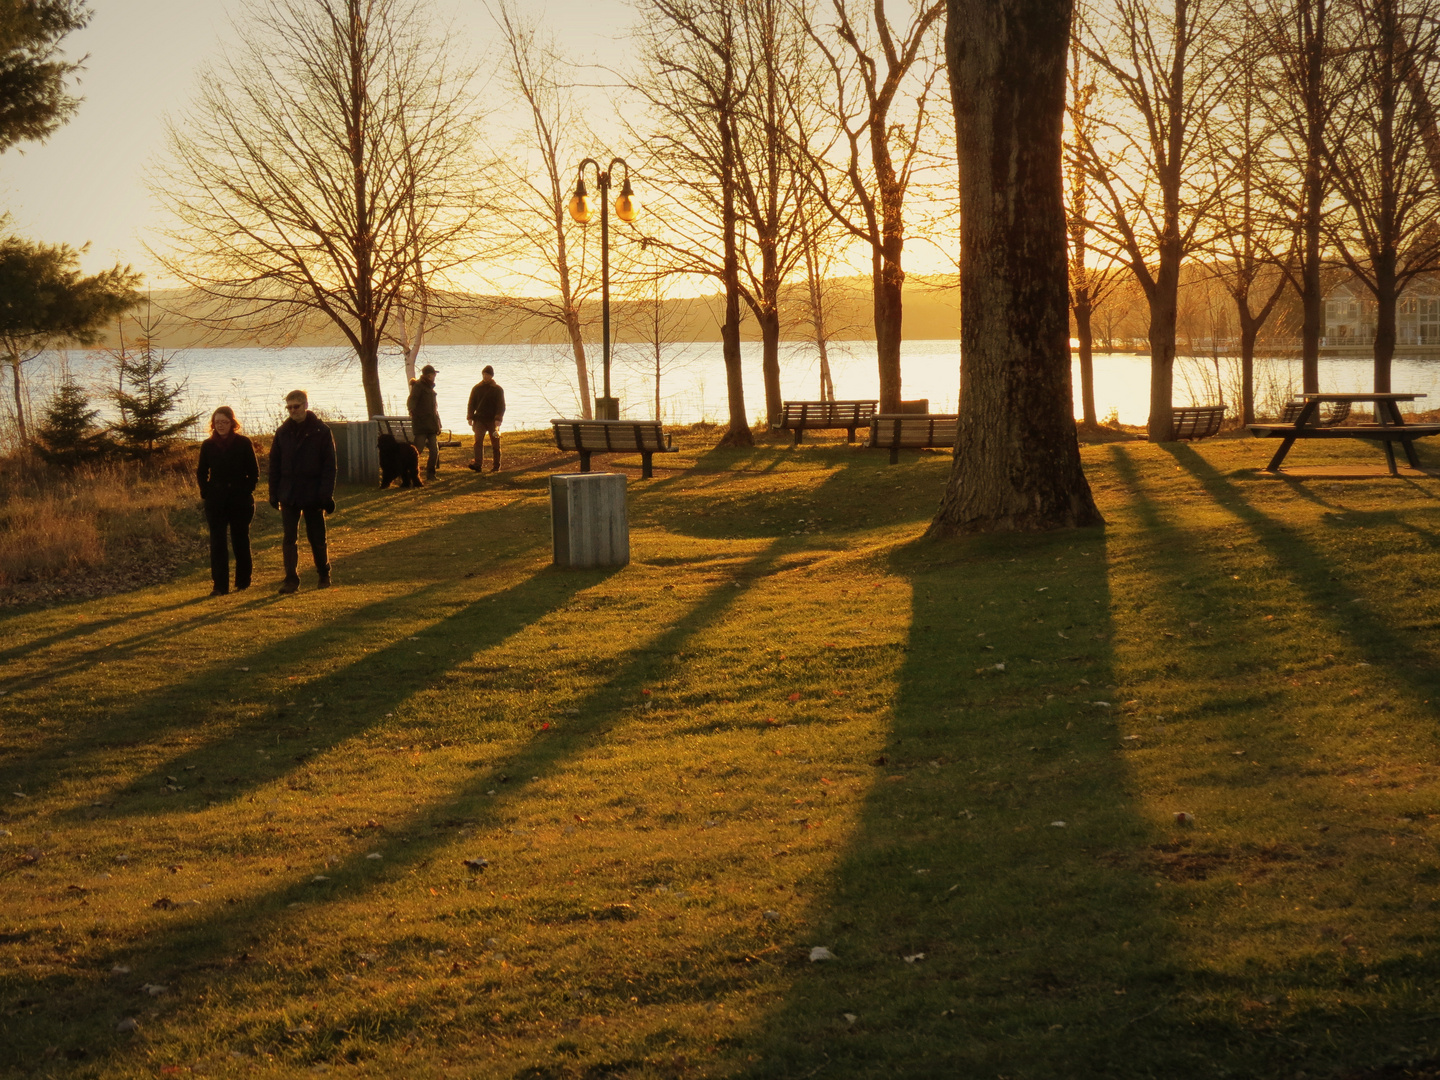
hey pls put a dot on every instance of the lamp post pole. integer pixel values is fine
(583, 211)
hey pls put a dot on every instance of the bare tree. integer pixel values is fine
(695, 79)
(1164, 77)
(1094, 274)
(324, 160)
(1017, 459)
(773, 75)
(1253, 244)
(1302, 93)
(882, 78)
(1387, 233)
(539, 243)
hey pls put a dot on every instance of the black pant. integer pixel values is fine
(431, 443)
(233, 514)
(314, 532)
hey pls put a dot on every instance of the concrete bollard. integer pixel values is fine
(587, 520)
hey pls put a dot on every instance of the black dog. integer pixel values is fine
(398, 461)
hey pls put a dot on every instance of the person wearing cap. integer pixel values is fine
(485, 411)
(425, 417)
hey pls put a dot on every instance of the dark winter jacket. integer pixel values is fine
(487, 404)
(424, 411)
(227, 472)
(302, 464)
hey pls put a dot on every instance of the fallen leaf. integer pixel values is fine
(476, 864)
(914, 956)
(770, 916)
(374, 855)
(153, 989)
(794, 697)
(820, 952)
(128, 1024)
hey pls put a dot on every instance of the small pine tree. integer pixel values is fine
(147, 400)
(68, 432)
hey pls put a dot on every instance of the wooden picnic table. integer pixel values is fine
(1389, 427)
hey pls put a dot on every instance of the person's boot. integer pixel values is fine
(290, 586)
(495, 463)
(324, 579)
(219, 590)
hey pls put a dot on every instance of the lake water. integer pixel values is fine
(539, 381)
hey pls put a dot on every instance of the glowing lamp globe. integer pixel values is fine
(627, 207)
(581, 208)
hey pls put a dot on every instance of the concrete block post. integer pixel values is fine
(587, 520)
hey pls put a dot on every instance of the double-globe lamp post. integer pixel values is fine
(582, 209)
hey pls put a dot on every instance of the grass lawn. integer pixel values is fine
(238, 828)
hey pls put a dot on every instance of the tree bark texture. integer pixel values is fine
(1085, 335)
(1017, 459)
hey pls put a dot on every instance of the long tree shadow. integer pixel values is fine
(979, 908)
(210, 946)
(232, 678)
(1320, 583)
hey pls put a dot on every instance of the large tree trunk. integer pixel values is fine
(738, 433)
(769, 320)
(1249, 330)
(369, 356)
(889, 281)
(1017, 460)
(1311, 32)
(1086, 337)
(1164, 307)
(1385, 302)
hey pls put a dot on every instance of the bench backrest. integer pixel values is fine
(398, 426)
(912, 430)
(1198, 421)
(827, 413)
(609, 434)
(1338, 412)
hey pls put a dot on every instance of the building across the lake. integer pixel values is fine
(1350, 316)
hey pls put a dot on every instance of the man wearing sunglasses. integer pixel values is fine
(302, 484)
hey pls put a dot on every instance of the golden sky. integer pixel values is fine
(87, 183)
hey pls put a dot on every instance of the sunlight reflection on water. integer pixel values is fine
(539, 380)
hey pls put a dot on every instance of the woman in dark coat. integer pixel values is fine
(227, 474)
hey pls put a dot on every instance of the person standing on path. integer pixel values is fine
(425, 417)
(485, 411)
(227, 475)
(302, 484)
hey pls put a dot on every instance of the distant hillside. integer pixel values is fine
(932, 310)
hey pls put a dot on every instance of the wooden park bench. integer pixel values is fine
(1197, 421)
(403, 432)
(586, 437)
(911, 431)
(802, 416)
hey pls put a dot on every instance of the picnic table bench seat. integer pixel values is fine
(1197, 421)
(801, 416)
(911, 431)
(404, 432)
(586, 437)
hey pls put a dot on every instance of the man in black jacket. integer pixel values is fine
(302, 484)
(485, 411)
(425, 417)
